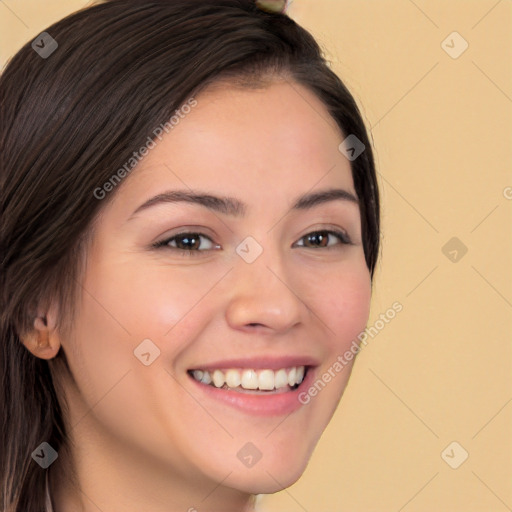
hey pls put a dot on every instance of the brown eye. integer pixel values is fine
(187, 242)
(320, 239)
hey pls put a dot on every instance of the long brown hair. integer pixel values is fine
(69, 121)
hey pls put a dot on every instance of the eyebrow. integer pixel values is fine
(234, 207)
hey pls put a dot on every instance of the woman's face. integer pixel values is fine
(261, 290)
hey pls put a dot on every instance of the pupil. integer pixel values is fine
(321, 235)
(186, 240)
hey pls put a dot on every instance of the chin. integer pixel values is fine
(268, 478)
(264, 483)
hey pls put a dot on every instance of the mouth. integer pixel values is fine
(260, 390)
(252, 381)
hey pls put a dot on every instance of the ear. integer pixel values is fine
(43, 340)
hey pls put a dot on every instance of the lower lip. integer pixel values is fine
(261, 405)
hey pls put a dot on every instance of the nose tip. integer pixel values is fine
(260, 299)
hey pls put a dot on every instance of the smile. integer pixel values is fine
(253, 381)
(260, 390)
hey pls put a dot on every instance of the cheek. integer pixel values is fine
(148, 300)
(345, 307)
(163, 303)
(173, 306)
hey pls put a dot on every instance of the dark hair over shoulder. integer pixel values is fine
(68, 121)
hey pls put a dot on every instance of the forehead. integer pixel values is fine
(263, 145)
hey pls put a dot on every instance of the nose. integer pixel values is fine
(262, 296)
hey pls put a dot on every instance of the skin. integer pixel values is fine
(144, 438)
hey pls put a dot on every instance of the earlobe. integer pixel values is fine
(42, 341)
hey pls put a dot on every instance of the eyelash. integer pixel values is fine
(163, 244)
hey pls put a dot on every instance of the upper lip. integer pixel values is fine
(259, 363)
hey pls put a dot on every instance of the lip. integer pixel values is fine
(259, 363)
(278, 404)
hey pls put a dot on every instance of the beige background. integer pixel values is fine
(441, 370)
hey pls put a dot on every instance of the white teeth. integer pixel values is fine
(218, 379)
(265, 380)
(233, 378)
(300, 374)
(281, 379)
(250, 379)
(291, 376)
(207, 378)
